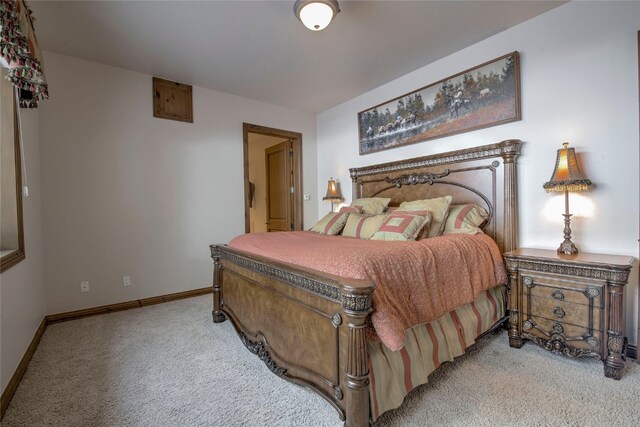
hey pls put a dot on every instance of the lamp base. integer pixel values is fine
(567, 247)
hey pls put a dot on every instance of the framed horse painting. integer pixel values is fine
(482, 96)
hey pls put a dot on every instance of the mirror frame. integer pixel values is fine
(13, 258)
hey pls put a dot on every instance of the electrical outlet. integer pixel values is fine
(126, 280)
(84, 286)
(307, 197)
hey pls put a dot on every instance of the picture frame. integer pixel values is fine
(479, 97)
(172, 100)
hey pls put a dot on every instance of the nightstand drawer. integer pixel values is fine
(567, 289)
(575, 314)
(587, 342)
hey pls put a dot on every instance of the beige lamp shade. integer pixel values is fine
(567, 175)
(333, 194)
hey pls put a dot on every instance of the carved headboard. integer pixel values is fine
(484, 175)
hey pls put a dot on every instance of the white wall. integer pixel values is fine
(579, 67)
(129, 194)
(22, 290)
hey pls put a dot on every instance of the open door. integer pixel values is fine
(282, 210)
(279, 171)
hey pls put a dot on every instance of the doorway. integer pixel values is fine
(272, 179)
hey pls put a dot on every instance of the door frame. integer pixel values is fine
(296, 139)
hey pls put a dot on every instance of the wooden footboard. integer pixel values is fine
(305, 326)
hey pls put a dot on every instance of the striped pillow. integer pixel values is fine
(363, 226)
(333, 222)
(372, 205)
(465, 219)
(351, 209)
(439, 208)
(402, 225)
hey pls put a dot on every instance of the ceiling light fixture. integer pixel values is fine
(316, 14)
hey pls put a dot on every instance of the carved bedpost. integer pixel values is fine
(614, 364)
(510, 150)
(357, 307)
(355, 187)
(515, 340)
(218, 315)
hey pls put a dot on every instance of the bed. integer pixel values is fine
(313, 328)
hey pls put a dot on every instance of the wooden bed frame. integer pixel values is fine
(308, 327)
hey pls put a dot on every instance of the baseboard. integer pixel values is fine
(8, 392)
(176, 296)
(632, 351)
(110, 308)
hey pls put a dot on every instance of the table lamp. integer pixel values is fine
(333, 194)
(567, 177)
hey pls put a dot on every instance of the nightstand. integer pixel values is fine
(571, 304)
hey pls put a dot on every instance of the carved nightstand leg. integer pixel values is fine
(515, 340)
(614, 364)
(218, 317)
(217, 314)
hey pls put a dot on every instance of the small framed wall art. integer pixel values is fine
(172, 100)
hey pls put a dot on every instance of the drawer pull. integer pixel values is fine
(558, 329)
(559, 312)
(557, 294)
(527, 281)
(591, 292)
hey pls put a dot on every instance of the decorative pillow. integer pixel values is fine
(351, 209)
(439, 208)
(333, 222)
(363, 226)
(402, 225)
(372, 205)
(424, 233)
(465, 219)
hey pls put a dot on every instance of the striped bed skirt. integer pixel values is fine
(393, 374)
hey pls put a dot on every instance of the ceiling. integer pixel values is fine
(259, 50)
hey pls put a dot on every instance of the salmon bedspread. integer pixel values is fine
(416, 281)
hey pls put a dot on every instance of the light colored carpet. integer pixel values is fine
(170, 365)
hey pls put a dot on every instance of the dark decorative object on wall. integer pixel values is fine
(20, 53)
(172, 100)
(483, 96)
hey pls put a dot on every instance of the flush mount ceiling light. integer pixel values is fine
(316, 14)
